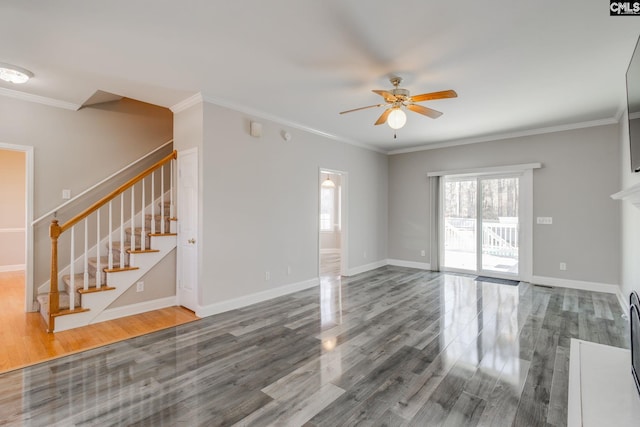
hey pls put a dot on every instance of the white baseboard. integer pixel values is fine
(15, 267)
(409, 264)
(129, 310)
(576, 284)
(235, 303)
(366, 267)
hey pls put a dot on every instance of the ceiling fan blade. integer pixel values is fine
(383, 117)
(361, 108)
(429, 112)
(388, 96)
(434, 95)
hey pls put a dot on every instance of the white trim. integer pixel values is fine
(488, 170)
(409, 264)
(367, 267)
(15, 267)
(244, 301)
(186, 103)
(138, 308)
(77, 196)
(576, 284)
(23, 96)
(13, 230)
(497, 137)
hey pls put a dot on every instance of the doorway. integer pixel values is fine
(16, 247)
(481, 224)
(332, 223)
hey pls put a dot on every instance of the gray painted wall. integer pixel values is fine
(630, 218)
(260, 202)
(580, 172)
(158, 283)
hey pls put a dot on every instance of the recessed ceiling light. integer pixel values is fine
(11, 73)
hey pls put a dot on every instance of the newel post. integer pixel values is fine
(54, 302)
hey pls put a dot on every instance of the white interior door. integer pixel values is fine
(187, 268)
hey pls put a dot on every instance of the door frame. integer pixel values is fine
(193, 150)
(28, 221)
(344, 218)
(525, 209)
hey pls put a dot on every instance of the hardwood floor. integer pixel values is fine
(25, 340)
(393, 346)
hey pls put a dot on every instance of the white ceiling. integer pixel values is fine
(516, 66)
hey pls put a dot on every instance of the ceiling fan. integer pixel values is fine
(398, 99)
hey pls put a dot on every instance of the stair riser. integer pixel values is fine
(158, 221)
(137, 238)
(117, 253)
(92, 272)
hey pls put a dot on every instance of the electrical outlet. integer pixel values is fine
(563, 266)
(289, 270)
(544, 220)
(267, 275)
(140, 287)
(66, 194)
(365, 254)
(423, 253)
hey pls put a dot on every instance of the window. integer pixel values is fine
(327, 208)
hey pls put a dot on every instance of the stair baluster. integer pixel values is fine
(171, 213)
(51, 305)
(72, 269)
(153, 205)
(143, 243)
(132, 244)
(121, 230)
(85, 284)
(98, 276)
(110, 253)
(161, 200)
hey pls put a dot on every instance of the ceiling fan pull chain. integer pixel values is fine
(395, 136)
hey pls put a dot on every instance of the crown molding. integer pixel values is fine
(186, 103)
(497, 137)
(266, 116)
(39, 99)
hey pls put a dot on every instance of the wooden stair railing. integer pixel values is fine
(56, 230)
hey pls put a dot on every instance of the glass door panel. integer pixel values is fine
(500, 225)
(459, 208)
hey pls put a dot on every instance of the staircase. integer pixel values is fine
(116, 261)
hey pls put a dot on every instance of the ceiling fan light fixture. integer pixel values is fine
(397, 119)
(13, 74)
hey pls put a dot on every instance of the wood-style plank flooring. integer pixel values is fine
(24, 340)
(393, 346)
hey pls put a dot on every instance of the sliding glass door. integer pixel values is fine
(481, 224)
